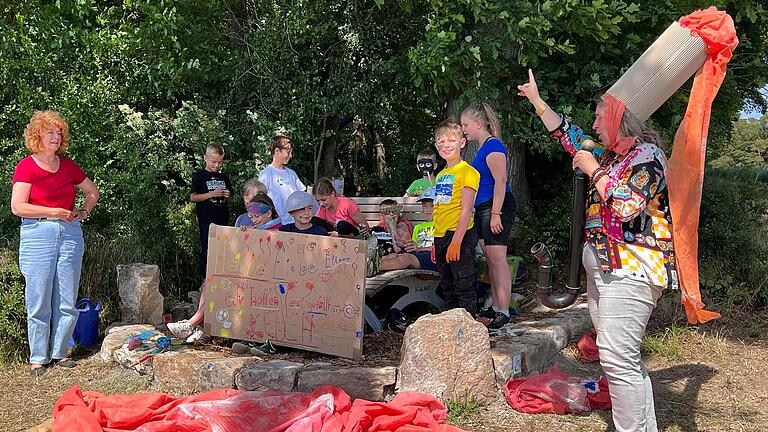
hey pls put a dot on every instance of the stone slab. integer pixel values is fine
(178, 372)
(374, 384)
(270, 375)
(531, 352)
(220, 373)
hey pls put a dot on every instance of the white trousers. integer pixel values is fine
(620, 309)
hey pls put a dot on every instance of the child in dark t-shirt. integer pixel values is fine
(299, 205)
(211, 191)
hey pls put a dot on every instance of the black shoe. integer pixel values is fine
(65, 362)
(267, 347)
(396, 320)
(487, 313)
(499, 321)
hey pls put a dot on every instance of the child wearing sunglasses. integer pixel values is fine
(261, 214)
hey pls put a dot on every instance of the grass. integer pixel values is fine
(464, 412)
(704, 379)
(27, 401)
(669, 343)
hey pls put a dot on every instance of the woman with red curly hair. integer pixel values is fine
(45, 186)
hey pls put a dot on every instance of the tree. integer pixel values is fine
(479, 50)
(748, 145)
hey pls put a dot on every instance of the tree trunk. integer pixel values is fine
(378, 147)
(326, 159)
(516, 174)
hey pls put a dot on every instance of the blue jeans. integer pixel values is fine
(50, 258)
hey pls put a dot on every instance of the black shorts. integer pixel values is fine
(483, 221)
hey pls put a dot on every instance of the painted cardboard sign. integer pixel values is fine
(296, 290)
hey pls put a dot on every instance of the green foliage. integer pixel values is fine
(669, 343)
(733, 249)
(13, 313)
(145, 185)
(748, 145)
(464, 412)
(359, 86)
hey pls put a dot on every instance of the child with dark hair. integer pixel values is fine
(262, 214)
(340, 212)
(426, 163)
(280, 180)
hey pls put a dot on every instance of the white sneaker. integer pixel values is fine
(181, 329)
(196, 335)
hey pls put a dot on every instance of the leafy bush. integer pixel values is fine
(13, 312)
(733, 249)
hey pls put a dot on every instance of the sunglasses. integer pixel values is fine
(391, 210)
(258, 208)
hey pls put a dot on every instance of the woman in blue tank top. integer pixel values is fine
(494, 206)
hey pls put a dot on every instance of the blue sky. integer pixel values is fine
(745, 114)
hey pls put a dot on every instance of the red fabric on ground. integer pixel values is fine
(602, 399)
(685, 174)
(327, 409)
(555, 392)
(587, 345)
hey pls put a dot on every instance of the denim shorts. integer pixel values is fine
(425, 259)
(483, 221)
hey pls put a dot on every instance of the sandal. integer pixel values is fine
(37, 372)
(65, 362)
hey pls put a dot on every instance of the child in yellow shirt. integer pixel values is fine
(455, 235)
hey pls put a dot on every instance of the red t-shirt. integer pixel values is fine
(344, 211)
(53, 190)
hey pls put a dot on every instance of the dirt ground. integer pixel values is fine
(705, 379)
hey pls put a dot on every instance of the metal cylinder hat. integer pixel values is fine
(662, 69)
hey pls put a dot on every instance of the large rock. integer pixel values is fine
(220, 373)
(270, 375)
(447, 356)
(116, 336)
(178, 372)
(538, 343)
(139, 289)
(373, 384)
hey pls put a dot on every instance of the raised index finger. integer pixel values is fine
(531, 79)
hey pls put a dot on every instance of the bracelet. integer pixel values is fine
(540, 110)
(498, 213)
(87, 213)
(598, 176)
(597, 172)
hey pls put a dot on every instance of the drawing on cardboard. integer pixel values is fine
(296, 290)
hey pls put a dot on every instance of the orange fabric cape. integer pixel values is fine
(685, 173)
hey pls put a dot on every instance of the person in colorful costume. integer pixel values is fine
(628, 253)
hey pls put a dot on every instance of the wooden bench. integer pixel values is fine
(399, 289)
